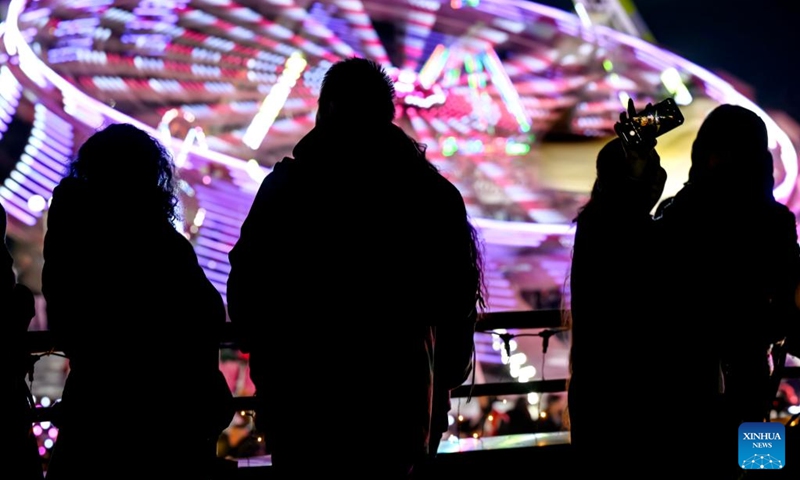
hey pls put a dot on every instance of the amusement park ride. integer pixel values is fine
(511, 98)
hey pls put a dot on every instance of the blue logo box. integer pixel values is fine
(762, 446)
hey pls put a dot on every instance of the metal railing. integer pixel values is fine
(546, 322)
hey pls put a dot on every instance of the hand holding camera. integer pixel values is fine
(638, 132)
(642, 128)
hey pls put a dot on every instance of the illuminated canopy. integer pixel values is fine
(231, 86)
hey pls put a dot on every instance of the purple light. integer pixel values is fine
(9, 105)
(42, 176)
(37, 145)
(211, 253)
(229, 229)
(218, 246)
(216, 277)
(511, 231)
(16, 207)
(30, 180)
(219, 236)
(43, 160)
(29, 185)
(727, 92)
(15, 44)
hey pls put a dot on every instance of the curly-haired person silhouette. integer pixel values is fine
(355, 286)
(134, 313)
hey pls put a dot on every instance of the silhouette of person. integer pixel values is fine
(20, 454)
(610, 298)
(125, 297)
(714, 275)
(519, 420)
(551, 417)
(358, 257)
(734, 249)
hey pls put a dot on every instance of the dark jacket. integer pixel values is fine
(140, 324)
(614, 336)
(352, 256)
(736, 263)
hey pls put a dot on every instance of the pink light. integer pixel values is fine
(434, 66)
(15, 44)
(728, 94)
(16, 208)
(566, 21)
(523, 227)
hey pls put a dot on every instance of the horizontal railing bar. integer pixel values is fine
(523, 319)
(41, 341)
(248, 403)
(510, 388)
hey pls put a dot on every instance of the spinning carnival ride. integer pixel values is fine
(512, 99)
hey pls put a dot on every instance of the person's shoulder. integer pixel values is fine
(783, 216)
(177, 242)
(284, 165)
(70, 187)
(70, 196)
(277, 177)
(784, 211)
(281, 171)
(443, 195)
(442, 186)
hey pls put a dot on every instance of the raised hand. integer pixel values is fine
(641, 157)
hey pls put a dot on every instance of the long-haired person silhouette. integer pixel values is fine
(134, 313)
(358, 259)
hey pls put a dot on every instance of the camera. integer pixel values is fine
(653, 121)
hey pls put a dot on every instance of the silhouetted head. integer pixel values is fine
(614, 168)
(731, 150)
(611, 165)
(356, 90)
(129, 163)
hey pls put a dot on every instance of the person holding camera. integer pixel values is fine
(610, 280)
(714, 275)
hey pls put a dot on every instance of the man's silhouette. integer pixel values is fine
(354, 286)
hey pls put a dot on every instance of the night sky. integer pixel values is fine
(756, 41)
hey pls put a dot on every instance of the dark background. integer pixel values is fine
(756, 42)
